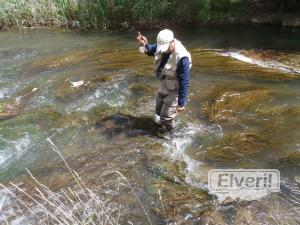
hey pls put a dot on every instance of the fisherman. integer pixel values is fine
(172, 66)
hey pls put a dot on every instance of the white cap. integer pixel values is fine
(164, 38)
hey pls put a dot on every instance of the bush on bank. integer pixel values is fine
(104, 14)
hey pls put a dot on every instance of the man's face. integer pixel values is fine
(171, 47)
(169, 50)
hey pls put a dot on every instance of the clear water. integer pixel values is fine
(95, 146)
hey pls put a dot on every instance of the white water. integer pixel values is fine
(15, 148)
(113, 95)
(176, 150)
(272, 64)
(8, 90)
(4, 92)
(196, 171)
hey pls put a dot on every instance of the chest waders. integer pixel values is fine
(167, 96)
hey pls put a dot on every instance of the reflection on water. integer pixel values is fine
(243, 112)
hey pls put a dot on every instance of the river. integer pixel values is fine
(93, 95)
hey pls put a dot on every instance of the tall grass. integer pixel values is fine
(37, 13)
(86, 14)
(24, 13)
(80, 206)
(104, 14)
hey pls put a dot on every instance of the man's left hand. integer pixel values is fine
(180, 108)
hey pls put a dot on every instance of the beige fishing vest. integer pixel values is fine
(170, 84)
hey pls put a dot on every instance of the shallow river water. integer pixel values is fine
(93, 96)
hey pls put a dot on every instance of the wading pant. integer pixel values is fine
(166, 108)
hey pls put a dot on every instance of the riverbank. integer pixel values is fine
(126, 15)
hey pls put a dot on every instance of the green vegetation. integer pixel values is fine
(104, 14)
(1, 107)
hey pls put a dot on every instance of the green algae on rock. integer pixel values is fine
(12, 107)
(8, 110)
(105, 78)
(140, 88)
(167, 170)
(288, 60)
(128, 125)
(238, 147)
(208, 60)
(228, 102)
(293, 159)
(98, 113)
(180, 200)
(113, 59)
(55, 62)
(66, 91)
(46, 118)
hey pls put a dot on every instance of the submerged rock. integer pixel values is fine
(178, 202)
(12, 107)
(8, 110)
(182, 204)
(282, 61)
(240, 213)
(67, 91)
(213, 217)
(166, 170)
(139, 88)
(45, 118)
(142, 98)
(215, 61)
(55, 62)
(293, 159)
(238, 147)
(113, 59)
(128, 125)
(280, 123)
(107, 77)
(225, 104)
(258, 121)
(97, 114)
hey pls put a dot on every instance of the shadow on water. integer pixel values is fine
(129, 125)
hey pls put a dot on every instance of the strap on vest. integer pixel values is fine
(161, 66)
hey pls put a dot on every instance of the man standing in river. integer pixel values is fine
(172, 67)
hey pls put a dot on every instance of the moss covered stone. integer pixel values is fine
(211, 60)
(180, 200)
(226, 104)
(293, 159)
(56, 62)
(238, 147)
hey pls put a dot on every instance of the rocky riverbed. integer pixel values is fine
(93, 96)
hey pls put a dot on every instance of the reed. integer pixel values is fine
(104, 14)
(78, 206)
